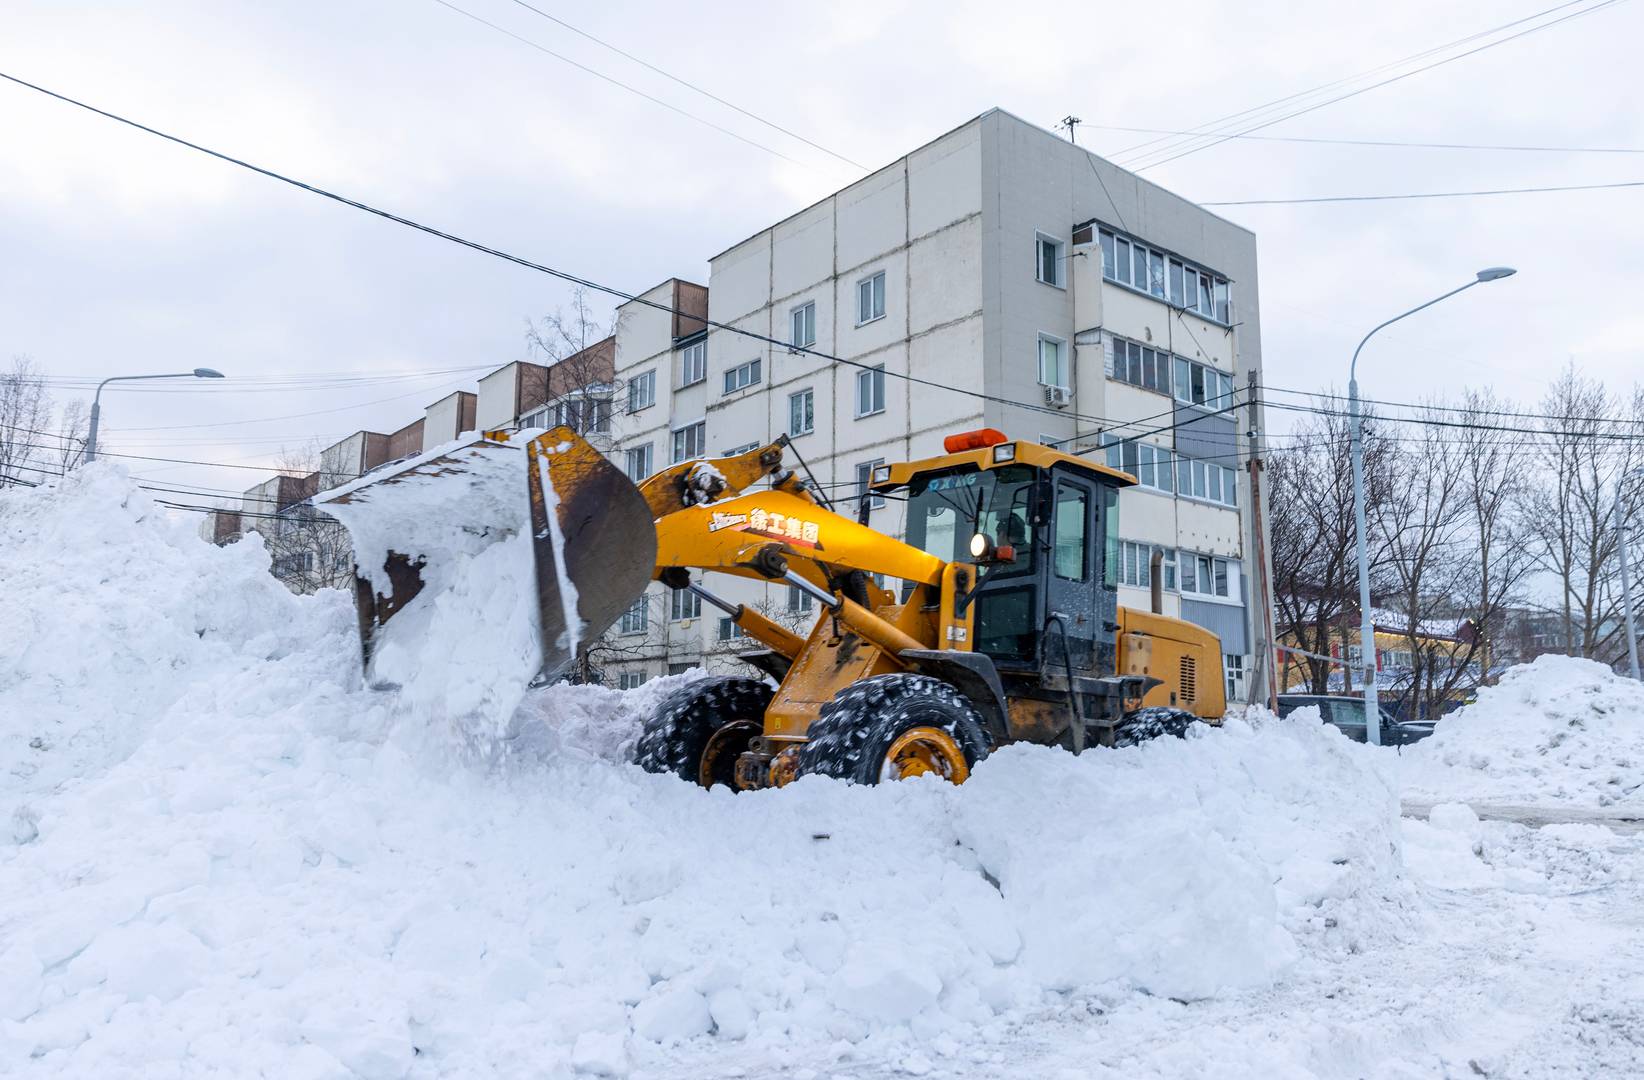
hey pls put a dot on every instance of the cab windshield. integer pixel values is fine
(946, 509)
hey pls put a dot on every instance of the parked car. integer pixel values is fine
(1346, 714)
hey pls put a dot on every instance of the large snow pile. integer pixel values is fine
(263, 868)
(1560, 730)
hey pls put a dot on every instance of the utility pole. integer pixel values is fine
(1265, 672)
(1626, 576)
(1071, 122)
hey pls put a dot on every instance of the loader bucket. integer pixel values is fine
(503, 555)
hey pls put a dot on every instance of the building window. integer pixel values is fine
(631, 680)
(799, 601)
(1047, 260)
(802, 412)
(864, 475)
(802, 325)
(642, 391)
(1141, 365)
(684, 604)
(1206, 575)
(637, 618)
(870, 298)
(1136, 565)
(585, 412)
(1198, 384)
(1149, 464)
(693, 363)
(1157, 273)
(639, 461)
(870, 391)
(1053, 362)
(690, 441)
(729, 630)
(1233, 664)
(738, 451)
(1207, 480)
(742, 376)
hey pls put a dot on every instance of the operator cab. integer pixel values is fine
(1041, 526)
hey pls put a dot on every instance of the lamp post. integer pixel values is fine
(96, 404)
(1626, 583)
(1367, 626)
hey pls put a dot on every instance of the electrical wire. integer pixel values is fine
(1394, 143)
(689, 85)
(1424, 195)
(616, 82)
(562, 275)
(1451, 408)
(1212, 127)
(1396, 78)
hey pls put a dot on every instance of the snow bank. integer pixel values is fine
(1559, 730)
(259, 874)
(111, 613)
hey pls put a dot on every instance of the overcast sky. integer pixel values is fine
(122, 253)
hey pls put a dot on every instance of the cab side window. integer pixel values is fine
(1071, 558)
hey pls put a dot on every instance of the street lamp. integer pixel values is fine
(1626, 583)
(1367, 627)
(96, 406)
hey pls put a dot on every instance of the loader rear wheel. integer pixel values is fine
(698, 732)
(1153, 722)
(894, 727)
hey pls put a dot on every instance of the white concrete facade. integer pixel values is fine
(953, 228)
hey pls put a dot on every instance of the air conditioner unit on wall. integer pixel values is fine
(1059, 396)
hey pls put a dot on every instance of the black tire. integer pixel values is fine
(679, 731)
(1153, 722)
(856, 730)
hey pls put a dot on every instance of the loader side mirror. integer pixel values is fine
(1043, 500)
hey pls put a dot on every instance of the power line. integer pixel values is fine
(689, 85)
(1211, 127)
(1424, 195)
(1545, 432)
(1396, 78)
(616, 82)
(1454, 408)
(562, 275)
(1396, 143)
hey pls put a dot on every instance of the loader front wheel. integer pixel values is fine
(894, 727)
(698, 732)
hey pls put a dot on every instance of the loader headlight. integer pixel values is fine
(1004, 452)
(981, 546)
(881, 473)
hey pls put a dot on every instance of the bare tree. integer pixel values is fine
(72, 436)
(1498, 466)
(579, 386)
(1589, 447)
(1315, 570)
(1426, 522)
(25, 416)
(310, 549)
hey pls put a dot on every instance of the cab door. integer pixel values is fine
(1072, 574)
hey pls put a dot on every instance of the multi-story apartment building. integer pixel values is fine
(999, 276)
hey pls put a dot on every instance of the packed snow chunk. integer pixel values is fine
(599, 1053)
(1557, 731)
(20, 972)
(886, 988)
(676, 1014)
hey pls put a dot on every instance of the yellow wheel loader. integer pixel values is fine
(1004, 625)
